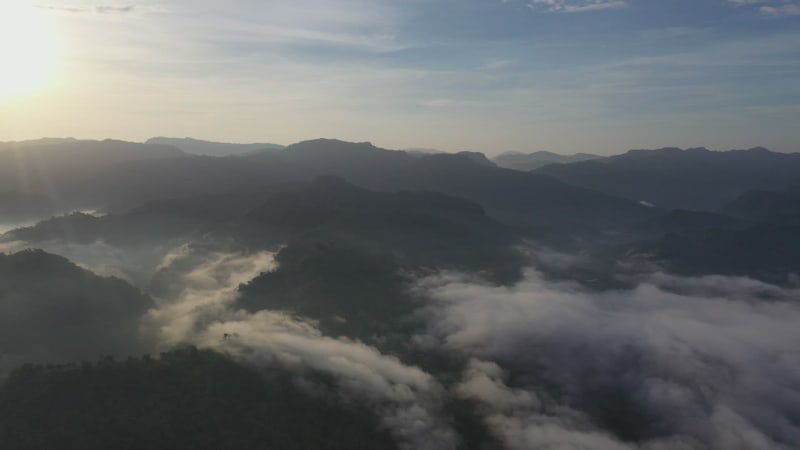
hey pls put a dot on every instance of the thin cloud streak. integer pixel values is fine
(206, 69)
(576, 6)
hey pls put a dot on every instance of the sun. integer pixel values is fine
(27, 48)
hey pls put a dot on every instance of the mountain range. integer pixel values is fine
(531, 161)
(392, 300)
(690, 179)
(209, 148)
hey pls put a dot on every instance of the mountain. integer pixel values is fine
(54, 158)
(19, 207)
(477, 158)
(366, 298)
(511, 196)
(422, 151)
(183, 399)
(348, 291)
(209, 148)
(335, 157)
(525, 199)
(766, 251)
(765, 205)
(66, 172)
(150, 223)
(145, 227)
(683, 221)
(14, 145)
(520, 198)
(52, 310)
(756, 238)
(413, 228)
(531, 161)
(672, 178)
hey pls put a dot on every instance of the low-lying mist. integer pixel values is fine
(694, 363)
(672, 363)
(202, 312)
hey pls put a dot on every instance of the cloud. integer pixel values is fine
(202, 312)
(97, 9)
(407, 398)
(789, 9)
(674, 363)
(114, 9)
(671, 363)
(517, 416)
(575, 6)
(771, 8)
(300, 25)
(747, 2)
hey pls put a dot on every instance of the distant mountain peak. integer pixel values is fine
(698, 150)
(212, 148)
(326, 143)
(478, 158)
(693, 150)
(535, 160)
(36, 142)
(695, 178)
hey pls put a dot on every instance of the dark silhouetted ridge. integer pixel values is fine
(686, 179)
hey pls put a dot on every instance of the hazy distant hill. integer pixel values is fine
(11, 145)
(414, 228)
(124, 175)
(145, 227)
(530, 161)
(518, 197)
(766, 251)
(422, 151)
(66, 171)
(762, 205)
(209, 148)
(335, 157)
(687, 179)
(753, 236)
(52, 310)
(509, 195)
(478, 158)
(683, 221)
(419, 225)
(17, 206)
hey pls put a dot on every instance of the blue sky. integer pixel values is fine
(489, 75)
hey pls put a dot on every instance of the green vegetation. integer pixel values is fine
(347, 291)
(53, 310)
(184, 399)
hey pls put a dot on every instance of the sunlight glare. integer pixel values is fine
(27, 48)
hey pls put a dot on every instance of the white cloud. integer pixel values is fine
(771, 8)
(747, 2)
(575, 6)
(789, 9)
(685, 363)
(100, 9)
(203, 313)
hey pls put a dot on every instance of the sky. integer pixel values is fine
(598, 76)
